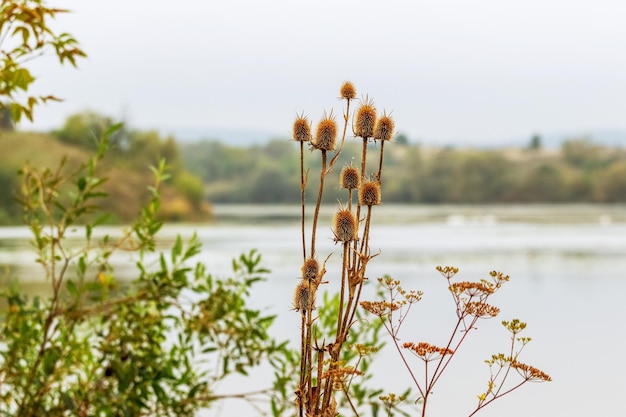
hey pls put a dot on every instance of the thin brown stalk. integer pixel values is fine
(344, 282)
(379, 176)
(320, 193)
(303, 365)
(302, 189)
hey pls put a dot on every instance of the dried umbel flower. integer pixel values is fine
(301, 129)
(426, 351)
(473, 289)
(384, 128)
(350, 177)
(345, 226)
(369, 193)
(348, 91)
(481, 310)
(447, 271)
(310, 269)
(365, 120)
(326, 134)
(380, 308)
(530, 373)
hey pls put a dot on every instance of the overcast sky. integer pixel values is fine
(448, 69)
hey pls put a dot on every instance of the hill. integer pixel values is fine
(128, 175)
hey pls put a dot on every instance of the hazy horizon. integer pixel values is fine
(450, 71)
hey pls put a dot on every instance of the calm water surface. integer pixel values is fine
(567, 266)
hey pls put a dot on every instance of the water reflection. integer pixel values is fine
(566, 265)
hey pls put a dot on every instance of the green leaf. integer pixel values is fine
(177, 249)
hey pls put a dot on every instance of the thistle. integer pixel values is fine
(345, 226)
(348, 91)
(326, 133)
(369, 193)
(350, 178)
(365, 120)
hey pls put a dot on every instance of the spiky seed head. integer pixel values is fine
(303, 297)
(384, 128)
(326, 133)
(345, 226)
(350, 177)
(365, 120)
(301, 129)
(369, 193)
(310, 269)
(348, 91)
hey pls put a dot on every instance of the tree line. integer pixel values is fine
(211, 171)
(581, 171)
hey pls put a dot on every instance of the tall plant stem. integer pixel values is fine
(302, 188)
(319, 202)
(358, 207)
(379, 176)
(309, 356)
(344, 282)
(303, 366)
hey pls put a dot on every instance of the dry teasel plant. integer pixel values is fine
(323, 372)
(326, 378)
(471, 304)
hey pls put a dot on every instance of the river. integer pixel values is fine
(567, 266)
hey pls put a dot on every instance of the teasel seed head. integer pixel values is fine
(348, 91)
(303, 296)
(365, 120)
(345, 226)
(326, 133)
(310, 269)
(384, 128)
(369, 193)
(350, 177)
(301, 129)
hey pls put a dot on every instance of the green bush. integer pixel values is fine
(97, 347)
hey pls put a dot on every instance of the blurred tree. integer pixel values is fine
(612, 184)
(440, 183)
(544, 183)
(401, 139)
(191, 187)
(83, 129)
(535, 143)
(271, 186)
(9, 209)
(483, 177)
(6, 120)
(583, 153)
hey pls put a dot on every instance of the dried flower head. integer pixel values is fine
(348, 91)
(301, 129)
(481, 310)
(350, 177)
(380, 308)
(303, 296)
(426, 351)
(447, 271)
(345, 226)
(384, 128)
(369, 193)
(365, 120)
(530, 373)
(310, 269)
(326, 133)
(473, 289)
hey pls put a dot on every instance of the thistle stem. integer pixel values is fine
(319, 202)
(302, 188)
